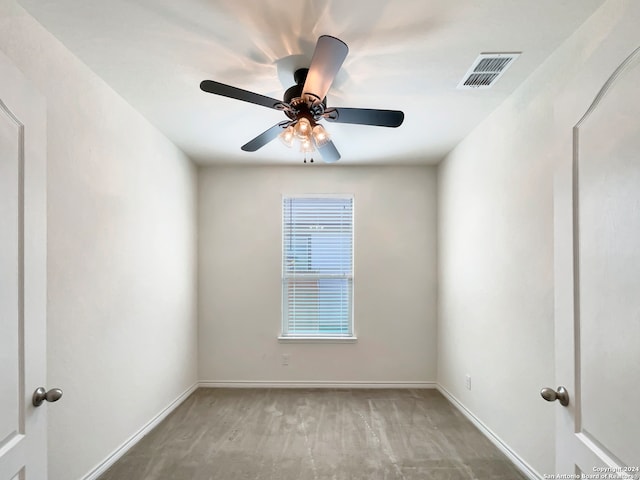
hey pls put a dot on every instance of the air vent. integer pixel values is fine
(487, 69)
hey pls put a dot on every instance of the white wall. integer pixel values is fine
(394, 279)
(495, 215)
(121, 256)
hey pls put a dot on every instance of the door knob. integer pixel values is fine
(40, 395)
(551, 395)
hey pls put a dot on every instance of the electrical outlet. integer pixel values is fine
(467, 381)
(285, 359)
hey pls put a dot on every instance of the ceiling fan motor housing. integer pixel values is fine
(293, 96)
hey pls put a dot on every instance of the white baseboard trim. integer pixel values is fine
(312, 384)
(523, 466)
(136, 437)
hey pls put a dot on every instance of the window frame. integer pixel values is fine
(284, 336)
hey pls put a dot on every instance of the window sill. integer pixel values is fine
(287, 339)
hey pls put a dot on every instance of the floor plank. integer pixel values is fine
(321, 434)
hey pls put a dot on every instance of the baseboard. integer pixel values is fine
(312, 384)
(136, 437)
(523, 466)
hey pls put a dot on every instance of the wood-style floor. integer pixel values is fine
(294, 434)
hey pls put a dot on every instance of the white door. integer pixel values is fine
(598, 286)
(22, 277)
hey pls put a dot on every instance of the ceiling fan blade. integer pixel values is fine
(327, 59)
(264, 138)
(366, 116)
(329, 152)
(218, 88)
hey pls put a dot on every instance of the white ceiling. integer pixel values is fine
(406, 54)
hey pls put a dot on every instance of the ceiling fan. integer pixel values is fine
(305, 104)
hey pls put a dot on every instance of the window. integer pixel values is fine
(317, 267)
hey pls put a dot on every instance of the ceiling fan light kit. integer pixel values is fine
(305, 104)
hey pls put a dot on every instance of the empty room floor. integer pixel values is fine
(312, 434)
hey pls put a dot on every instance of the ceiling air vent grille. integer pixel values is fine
(487, 69)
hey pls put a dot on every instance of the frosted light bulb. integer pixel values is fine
(287, 136)
(320, 135)
(303, 128)
(306, 145)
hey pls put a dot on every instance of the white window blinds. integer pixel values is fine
(317, 266)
